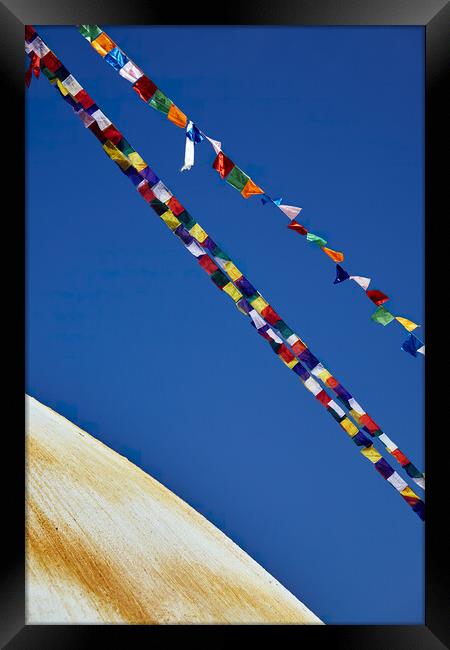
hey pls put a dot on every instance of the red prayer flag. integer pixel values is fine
(270, 315)
(285, 353)
(145, 88)
(378, 297)
(223, 164)
(145, 191)
(294, 225)
(367, 421)
(175, 206)
(298, 347)
(207, 264)
(51, 62)
(111, 133)
(400, 456)
(35, 66)
(323, 397)
(84, 99)
(29, 32)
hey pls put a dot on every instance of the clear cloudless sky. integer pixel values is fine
(129, 339)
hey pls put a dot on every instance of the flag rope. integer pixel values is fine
(148, 91)
(293, 352)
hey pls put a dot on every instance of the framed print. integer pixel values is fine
(178, 479)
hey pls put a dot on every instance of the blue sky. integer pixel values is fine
(128, 338)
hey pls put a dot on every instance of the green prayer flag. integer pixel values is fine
(315, 239)
(237, 178)
(161, 102)
(284, 330)
(90, 32)
(125, 147)
(382, 316)
(186, 219)
(48, 73)
(218, 252)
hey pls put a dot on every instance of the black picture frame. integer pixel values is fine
(434, 16)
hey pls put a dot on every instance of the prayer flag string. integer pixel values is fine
(229, 171)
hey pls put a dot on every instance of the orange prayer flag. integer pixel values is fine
(335, 255)
(176, 116)
(250, 189)
(103, 44)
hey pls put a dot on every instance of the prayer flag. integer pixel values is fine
(362, 282)
(341, 275)
(237, 178)
(250, 189)
(294, 225)
(378, 297)
(223, 164)
(116, 59)
(407, 324)
(216, 145)
(90, 32)
(315, 239)
(335, 255)
(412, 345)
(176, 116)
(145, 88)
(103, 44)
(382, 316)
(291, 211)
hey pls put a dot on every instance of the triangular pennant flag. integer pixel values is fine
(291, 211)
(378, 297)
(294, 225)
(250, 189)
(216, 145)
(315, 239)
(363, 282)
(412, 345)
(382, 316)
(407, 324)
(336, 256)
(341, 275)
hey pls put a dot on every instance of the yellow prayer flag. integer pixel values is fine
(176, 116)
(137, 161)
(407, 324)
(232, 271)
(324, 375)
(62, 89)
(371, 453)
(198, 233)
(348, 426)
(231, 290)
(407, 492)
(115, 154)
(170, 219)
(356, 416)
(259, 304)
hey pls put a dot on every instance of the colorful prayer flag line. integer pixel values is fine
(227, 169)
(227, 277)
